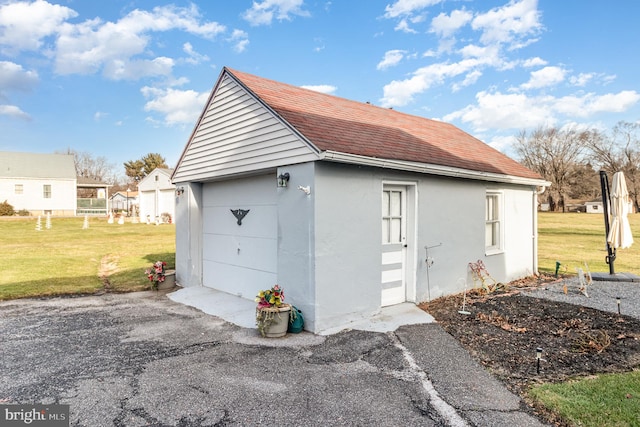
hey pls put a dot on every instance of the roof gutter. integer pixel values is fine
(430, 169)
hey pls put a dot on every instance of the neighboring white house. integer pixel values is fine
(157, 196)
(348, 206)
(39, 183)
(123, 200)
(594, 206)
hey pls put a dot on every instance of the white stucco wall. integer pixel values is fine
(325, 249)
(189, 235)
(347, 243)
(296, 240)
(450, 220)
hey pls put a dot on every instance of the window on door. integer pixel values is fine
(391, 216)
(493, 222)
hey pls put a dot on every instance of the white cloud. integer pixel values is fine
(178, 107)
(403, 25)
(99, 115)
(13, 112)
(581, 79)
(407, 7)
(240, 40)
(504, 111)
(469, 79)
(401, 92)
(263, 13)
(509, 24)
(391, 59)
(133, 69)
(194, 58)
(94, 45)
(14, 77)
(502, 142)
(545, 77)
(491, 54)
(329, 89)
(23, 24)
(590, 103)
(446, 25)
(498, 111)
(534, 62)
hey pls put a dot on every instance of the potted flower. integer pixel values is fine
(272, 315)
(159, 276)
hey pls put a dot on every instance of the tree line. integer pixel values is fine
(99, 168)
(571, 158)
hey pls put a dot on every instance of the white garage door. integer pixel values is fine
(148, 205)
(167, 203)
(240, 259)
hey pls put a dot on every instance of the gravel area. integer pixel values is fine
(602, 295)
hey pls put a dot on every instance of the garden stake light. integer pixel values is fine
(464, 299)
(538, 358)
(618, 301)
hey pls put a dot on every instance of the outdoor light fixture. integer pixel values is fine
(179, 191)
(618, 301)
(306, 190)
(283, 179)
(538, 358)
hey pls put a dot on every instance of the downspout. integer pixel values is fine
(534, 207)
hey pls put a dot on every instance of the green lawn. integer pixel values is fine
(576, 238)
(67, 259)
(598, 401)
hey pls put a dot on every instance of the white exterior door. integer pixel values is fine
(394, 245)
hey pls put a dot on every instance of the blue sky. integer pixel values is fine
(121, 79)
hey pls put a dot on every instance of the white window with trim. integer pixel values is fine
(493, 223)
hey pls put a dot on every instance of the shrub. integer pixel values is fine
(23, 212)
(6, 209)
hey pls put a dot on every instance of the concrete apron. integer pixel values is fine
(241, 311)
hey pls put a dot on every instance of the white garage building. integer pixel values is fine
(157, 196)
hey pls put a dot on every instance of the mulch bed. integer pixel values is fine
(506, 327)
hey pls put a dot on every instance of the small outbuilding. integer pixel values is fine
(594, 206)
(156, 195)
(124, 201)
(348, 206)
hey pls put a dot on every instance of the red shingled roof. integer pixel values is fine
(341, 125)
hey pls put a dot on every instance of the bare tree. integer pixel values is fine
(554, 153)
(87, 166)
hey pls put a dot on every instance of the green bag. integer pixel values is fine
(296, 321)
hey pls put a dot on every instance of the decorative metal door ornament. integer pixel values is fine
(239, 214)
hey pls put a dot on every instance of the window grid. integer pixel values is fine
(492, 222)
(392, 217)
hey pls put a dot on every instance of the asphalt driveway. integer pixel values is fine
(141, 359)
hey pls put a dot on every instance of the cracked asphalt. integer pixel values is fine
(142, 360)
